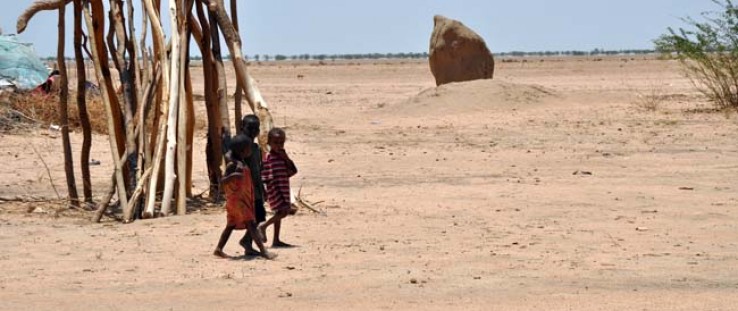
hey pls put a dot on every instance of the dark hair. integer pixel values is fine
(54, 73)
(274, 132)
(250, 124)
(239, 143)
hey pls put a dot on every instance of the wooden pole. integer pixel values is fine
(238, 95)
(182, 126)
(97, 32)
(118, 53)
(253, 96)
(84, 116)
(213, 151)
(158, 39)
(190, 113)
(222, 87)
(120, 181)
(174, 91)
(63, 112)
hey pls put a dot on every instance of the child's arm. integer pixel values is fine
(290, 165)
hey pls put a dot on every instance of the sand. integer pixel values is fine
(548, 188)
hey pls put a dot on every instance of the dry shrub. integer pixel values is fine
(44, 109)
(650, 99)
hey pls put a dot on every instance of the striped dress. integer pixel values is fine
(276, 175)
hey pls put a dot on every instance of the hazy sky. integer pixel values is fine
(345, 26)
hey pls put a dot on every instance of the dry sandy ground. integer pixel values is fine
(545, 189)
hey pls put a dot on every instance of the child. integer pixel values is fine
(278, 168)
(240, 199)
(250, 127)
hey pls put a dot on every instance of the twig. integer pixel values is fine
(48, 172)
(23, 115)
(300, 202)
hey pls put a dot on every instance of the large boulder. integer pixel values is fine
(458, 54)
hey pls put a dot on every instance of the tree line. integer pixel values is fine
(423, 55)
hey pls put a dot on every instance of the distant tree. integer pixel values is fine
(256, 57)
(709, 53)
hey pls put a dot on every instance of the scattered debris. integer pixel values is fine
(582, 173)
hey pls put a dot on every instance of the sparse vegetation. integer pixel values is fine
(651, 98)
(43, 110)
(709, 53)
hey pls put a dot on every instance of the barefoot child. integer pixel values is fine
(240, 199)
(278, 168)
(250, 127)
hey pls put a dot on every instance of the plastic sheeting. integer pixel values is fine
(19, 64)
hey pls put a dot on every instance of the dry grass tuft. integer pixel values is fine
(44, 110)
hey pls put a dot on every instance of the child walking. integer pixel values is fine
(250, 127)
(278, 168)
(239, 192)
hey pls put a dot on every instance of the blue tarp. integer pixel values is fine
(20, 65)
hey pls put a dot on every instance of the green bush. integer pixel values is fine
(709, 53)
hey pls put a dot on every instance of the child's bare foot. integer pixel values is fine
(248, 249)
(280, 244)
(250, 252)
(268, 255)
(220, 253)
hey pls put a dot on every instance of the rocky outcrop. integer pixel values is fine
(458, 54)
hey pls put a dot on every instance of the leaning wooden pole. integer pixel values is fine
(158, 151)
(253, 96)
(63, 109)
(97, 11)
(117, 31)
(120, 181)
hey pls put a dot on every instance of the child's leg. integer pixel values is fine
(262, 227)
(277, 242)
(223, 240)
(246, 244)
(253, 231)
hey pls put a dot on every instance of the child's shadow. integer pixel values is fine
(245, 257)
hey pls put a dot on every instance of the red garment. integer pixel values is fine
(239, 191)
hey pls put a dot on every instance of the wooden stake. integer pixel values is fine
(174, 91)
(84, 117)
(120, 181)
(158, 37)
(63, 112)
(238, 95)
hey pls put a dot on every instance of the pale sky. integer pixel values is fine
(389, 26)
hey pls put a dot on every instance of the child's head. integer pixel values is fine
(250, 125)
(276, 139)
(240, 146)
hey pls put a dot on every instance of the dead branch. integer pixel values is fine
(41, 5)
